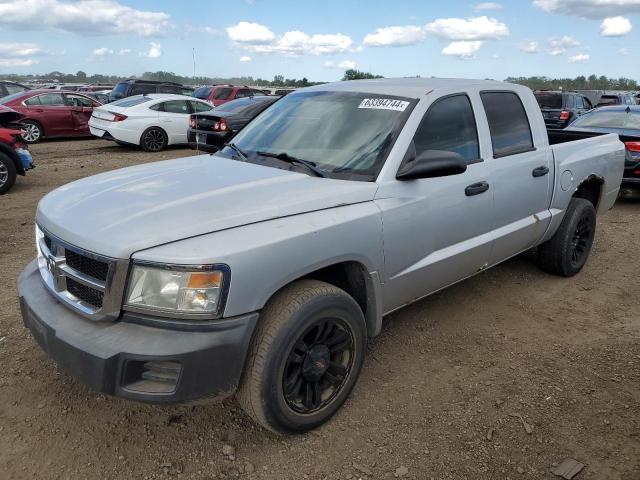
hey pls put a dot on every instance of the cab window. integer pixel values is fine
(508, 123)
(449, 125)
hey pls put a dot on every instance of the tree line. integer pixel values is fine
(592, 82)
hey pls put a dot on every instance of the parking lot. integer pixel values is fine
(501, 376)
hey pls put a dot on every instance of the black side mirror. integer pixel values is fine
(432, 163)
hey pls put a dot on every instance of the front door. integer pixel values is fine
(437, 230)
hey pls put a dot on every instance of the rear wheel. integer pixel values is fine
(153, 139)
(567, 251)
(32, 131)
(7, 173)
(305, 359)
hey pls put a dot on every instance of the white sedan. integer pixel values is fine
(151, 121)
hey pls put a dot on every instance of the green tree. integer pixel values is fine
(353, 74)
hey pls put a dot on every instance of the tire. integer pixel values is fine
(567, 251)
(154, 139)
(7, 173)
(284, 365)
(32, 131)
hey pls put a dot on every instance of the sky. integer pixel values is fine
(320, 39)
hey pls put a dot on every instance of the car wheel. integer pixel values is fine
(153, 139)
(305, 358)
(567, 251)
(7, 173)
(32, 131)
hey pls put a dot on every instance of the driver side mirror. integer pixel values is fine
(431, 164)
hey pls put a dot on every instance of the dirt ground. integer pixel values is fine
(436, 399)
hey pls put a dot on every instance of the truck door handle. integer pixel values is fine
(540, 171)
(476, 189)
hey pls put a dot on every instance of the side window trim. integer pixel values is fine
(475, 124)
(515, 151)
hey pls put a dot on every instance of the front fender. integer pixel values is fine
(266, 256)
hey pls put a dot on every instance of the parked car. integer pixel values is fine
(151, 121)
(560, 108)
(15, 158)
(624, 121)
(131, 87)
(616, 98)
(209, 131)
(50, 113)
(265, 267)
(96, 88)
(101, 96)
(9, 88)
(220, 94)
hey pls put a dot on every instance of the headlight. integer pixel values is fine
(177, 289)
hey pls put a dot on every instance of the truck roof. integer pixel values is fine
(411, 87)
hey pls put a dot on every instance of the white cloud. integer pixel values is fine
(257, 38)
(248, 32)
(488, 6)
(102, 52)
(124, 51)
(87, 17)
(245, 58)
(529, 47)
(343, 65)
(615, 27)
(557, 46)
(395, 36)
(211, 30)
(478, 28)
(463, 49)
(579, 58)
(17, 62)
(155, 51)
(589, 8)
(19, 49)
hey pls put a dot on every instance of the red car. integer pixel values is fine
(52, 113)
(15, 159)
(219, 94)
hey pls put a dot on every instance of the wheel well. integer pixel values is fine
(154, 126)
(353, 278)
(33, 121)
(14, 158)
(590, 189)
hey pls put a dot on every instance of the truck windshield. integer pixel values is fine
(549, 100)
(345, 134)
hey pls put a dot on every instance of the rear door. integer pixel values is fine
(521, 176)
(51, 111)
(81, 110)
(174, 119)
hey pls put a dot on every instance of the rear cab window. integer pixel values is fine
(508, 123)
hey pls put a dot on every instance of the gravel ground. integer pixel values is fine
(438, 397)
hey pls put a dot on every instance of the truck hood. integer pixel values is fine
(124, 211)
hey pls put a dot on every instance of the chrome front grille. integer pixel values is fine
(89, 283)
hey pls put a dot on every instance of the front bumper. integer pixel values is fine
(111, 357)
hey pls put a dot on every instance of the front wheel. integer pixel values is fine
(153, 139)
(567, 251)
(306, 356)
(7, 173)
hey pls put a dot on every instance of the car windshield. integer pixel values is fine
(345, 134)
(609, 119)
(549, 100)
(131, 101)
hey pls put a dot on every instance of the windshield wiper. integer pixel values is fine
(285, 157)
(236, 149)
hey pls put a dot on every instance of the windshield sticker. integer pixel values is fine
(384, 104)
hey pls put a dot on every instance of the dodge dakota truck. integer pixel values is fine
(262, 270)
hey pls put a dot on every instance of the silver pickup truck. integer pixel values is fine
(262, 270)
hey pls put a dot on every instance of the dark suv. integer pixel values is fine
(128, 88)
(219, 94)
(559, 108)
